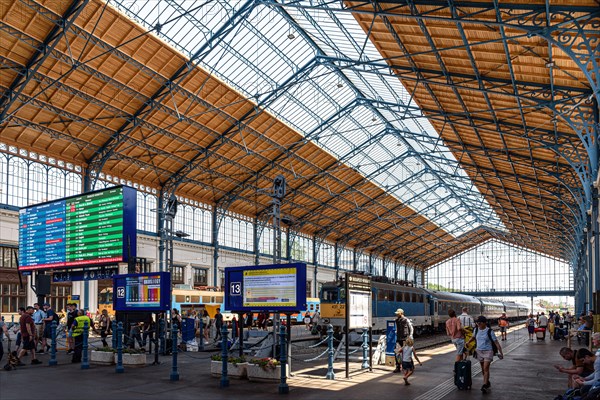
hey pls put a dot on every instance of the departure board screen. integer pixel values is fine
(142, 292)
(97, 228)
(272, 288)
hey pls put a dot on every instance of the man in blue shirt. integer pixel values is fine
(486, 339)
(38, 319)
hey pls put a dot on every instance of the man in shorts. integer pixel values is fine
(27, 327)
(455, 331)
(484, 337)
(503, 324)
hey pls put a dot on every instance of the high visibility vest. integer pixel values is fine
(78, 330)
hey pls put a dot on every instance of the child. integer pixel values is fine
(407, 352)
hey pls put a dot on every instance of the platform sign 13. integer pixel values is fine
(235, 288)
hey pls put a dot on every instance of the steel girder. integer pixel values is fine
(97, 162)
(534, 22)
(40, 54)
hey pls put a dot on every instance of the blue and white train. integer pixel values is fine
(427, 309)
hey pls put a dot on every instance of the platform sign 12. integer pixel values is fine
(142, 292)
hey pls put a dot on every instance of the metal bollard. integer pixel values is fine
(174, 374)
(201, 345)
(114, 334)
(85, 364)
(161, 336)
(224, 357)
(330, 352)
(365, 348)
(119, 368)
(53, 361)
(283, 386)
(156, 335)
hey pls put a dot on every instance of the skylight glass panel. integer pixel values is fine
(306, 66)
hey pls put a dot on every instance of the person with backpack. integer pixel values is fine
(404, 330)
(487, 347)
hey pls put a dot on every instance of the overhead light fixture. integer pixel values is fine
(340, 84)
(550, 64)
(291, 36)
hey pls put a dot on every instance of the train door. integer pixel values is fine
(434, 314)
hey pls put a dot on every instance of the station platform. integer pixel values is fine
(525, 373)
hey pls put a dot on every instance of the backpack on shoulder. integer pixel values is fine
(494, 347)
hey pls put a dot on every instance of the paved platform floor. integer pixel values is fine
(525, 373)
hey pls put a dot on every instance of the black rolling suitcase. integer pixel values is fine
(462, 375)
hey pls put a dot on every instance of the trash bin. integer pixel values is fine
(187, 329)
(390, 337)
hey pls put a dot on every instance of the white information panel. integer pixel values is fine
(270, 287)
(360, 309)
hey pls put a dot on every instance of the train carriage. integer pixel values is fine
(427, 309)
(441, 302)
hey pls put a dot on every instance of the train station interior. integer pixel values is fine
(447, 151)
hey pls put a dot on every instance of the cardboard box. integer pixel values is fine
(390, 360)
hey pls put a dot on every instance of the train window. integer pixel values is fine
(179, 298)
(419, 298)
(195, 299)
(381, 295)
(414, 298)
(398, 296)
(330, 295)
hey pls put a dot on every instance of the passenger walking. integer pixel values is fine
(530, 326)
(27, 327)
(543, 323)
(71, 315)
(307, 320)
(468, 324)
(486, 341)
(176, 318)
(206, 323)
(406, 353)
(50, 317)
(503, 323)
(569, 321)
(404, 330)
(218, 324)
(3, 332)
(38, 319)
(104, 324)
(455, 331)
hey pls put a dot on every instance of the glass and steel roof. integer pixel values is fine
(319, 72)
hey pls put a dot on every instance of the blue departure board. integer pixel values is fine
(96, 228)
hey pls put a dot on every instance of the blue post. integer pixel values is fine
(114, 334)
(161, 335)
(53, 361)
(201, 345)
(365, 348)
(119, 369)
(283, 386)
(233, 329)
(224, 357)
(330, 373)
(84, 352)
(174, 373)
